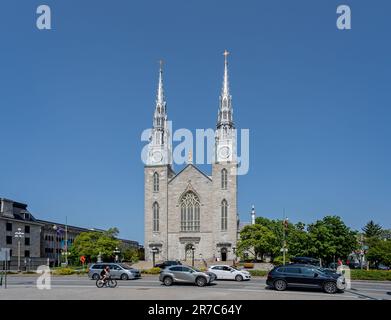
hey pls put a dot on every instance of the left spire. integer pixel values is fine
(160, 90)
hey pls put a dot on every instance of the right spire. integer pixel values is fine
(225, 117)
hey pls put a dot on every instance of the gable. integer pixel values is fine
(190, 169)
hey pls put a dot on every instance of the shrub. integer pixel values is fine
(258, 273)
(151, 271)
(63, 271)
(379, 275)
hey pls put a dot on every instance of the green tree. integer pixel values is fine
(330, 238)
(130, 254)
(256, 239)
(372, 229)
(93, 243)
(296, 237)
(379, 251)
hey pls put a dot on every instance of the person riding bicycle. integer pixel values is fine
(105, 274)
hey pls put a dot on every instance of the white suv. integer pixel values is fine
(223, 272)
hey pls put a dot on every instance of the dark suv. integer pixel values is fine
(168, 263)
(302, 275)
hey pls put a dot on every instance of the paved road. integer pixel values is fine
(80, 287)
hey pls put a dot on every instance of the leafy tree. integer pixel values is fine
(379, 251)
(295, 236)
(91, 244)
(130, 254)
(386, 234)
(330, 238)
(372, 229)
(256, 239)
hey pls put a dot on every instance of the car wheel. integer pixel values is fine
(167, 281)
(201, 281)
(330, 287)
(95, 276)
(280, 285)
(124, 276)
(239, 278)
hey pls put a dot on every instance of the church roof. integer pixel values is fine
(190, 165)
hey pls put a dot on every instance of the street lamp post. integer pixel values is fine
(154, 251)
(116, 252)
(55, 228)
(192, 255)
(19, 234)
(234, 252)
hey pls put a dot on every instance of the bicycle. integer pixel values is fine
(108, 282)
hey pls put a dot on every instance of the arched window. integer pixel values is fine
(190, 212)
(224, 179)
(224, 215)
(155, 209)
(155, 182)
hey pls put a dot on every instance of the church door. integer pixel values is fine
(223, 254)
(188, 252)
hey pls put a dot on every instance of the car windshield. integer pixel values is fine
(126, 266)
(236, 268)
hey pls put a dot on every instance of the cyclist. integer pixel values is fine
(105, 274)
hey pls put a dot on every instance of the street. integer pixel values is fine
(149, 288)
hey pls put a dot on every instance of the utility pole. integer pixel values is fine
(284, 226)
(66, 240)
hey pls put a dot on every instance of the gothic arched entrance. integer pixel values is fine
(188, 251)
(223, 252)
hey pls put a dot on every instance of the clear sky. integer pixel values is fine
(74, 101)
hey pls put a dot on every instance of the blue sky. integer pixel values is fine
(74, 101)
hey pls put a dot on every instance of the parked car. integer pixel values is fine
(223, 272)
(168, 263)
(117, 271)
(382, 267)
(306, 260)
(185, 274)
(305, 276)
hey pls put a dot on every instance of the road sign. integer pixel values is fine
(284, 249)
(5, 254)
(83, 259)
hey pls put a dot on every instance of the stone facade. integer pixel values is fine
(191, 213)
(173, 243)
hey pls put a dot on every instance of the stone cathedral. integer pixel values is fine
(190, 212)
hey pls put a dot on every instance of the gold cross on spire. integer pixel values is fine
(161, 64)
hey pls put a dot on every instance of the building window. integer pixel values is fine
(9, 239)
(155, 217)
(26, 241)
(224, 215)
(190, 212)
(155, 182)
(27, 253)
(26, 229)
(9, 226)
(224, 179)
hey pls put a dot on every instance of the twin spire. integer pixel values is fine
(225, 109)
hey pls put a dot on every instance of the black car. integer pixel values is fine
(299, 275)
(168, 263)
(306, 260)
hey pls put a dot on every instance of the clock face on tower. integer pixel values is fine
(156, 156)
(224, 152)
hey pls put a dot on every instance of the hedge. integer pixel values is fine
(379, 275)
